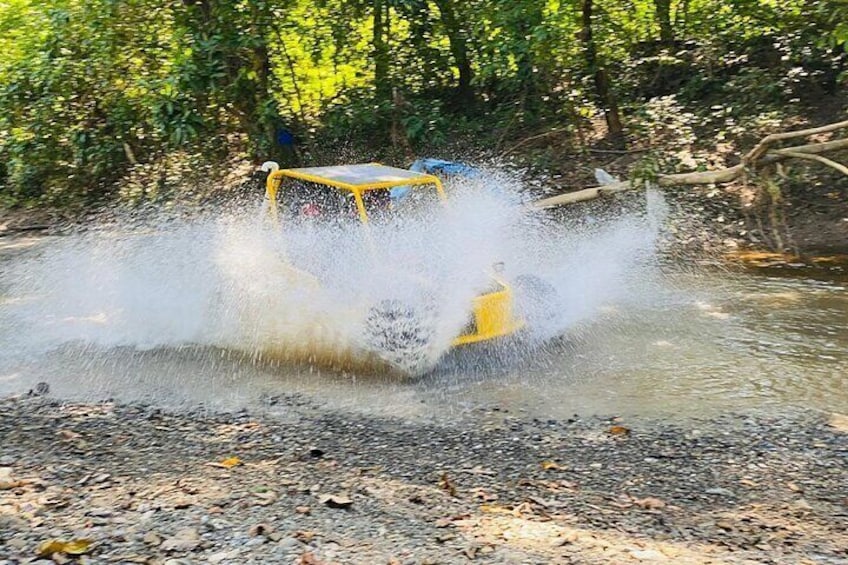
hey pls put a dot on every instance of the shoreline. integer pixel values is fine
(317, 485)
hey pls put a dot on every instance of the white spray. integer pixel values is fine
(226, 280)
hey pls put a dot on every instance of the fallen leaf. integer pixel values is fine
(649, 503)
(446, 485)
(79, 546)
(793, 487)
(230, 462)
(336, 500)
(309, 558)
(302, 509)
(619, 431)
(304, 535)
(49, 547)
(551, 465)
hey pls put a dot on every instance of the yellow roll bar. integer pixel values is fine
(275, 180)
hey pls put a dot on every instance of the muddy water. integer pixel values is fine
(709, 345)
(699, 344)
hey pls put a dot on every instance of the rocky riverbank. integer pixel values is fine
(136, 484)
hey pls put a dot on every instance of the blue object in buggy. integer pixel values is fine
(434, 167)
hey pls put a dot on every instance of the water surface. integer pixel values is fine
(681, 343)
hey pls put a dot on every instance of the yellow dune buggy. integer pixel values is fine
(361, 192)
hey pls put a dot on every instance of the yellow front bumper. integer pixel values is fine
(493, 316)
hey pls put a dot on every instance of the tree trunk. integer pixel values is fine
(381, 53)
(525, 61)
(601, 79)
(459, 49)
(663, 8)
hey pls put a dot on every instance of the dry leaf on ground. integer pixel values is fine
(336, 500)
(309, 558)
(649, 503)
(619, 431)
(230, 462)
(72, 547)
(304, 535)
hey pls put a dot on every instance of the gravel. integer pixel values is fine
(318, 487)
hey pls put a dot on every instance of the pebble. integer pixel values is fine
(186, 539)
(289, 544)
(16, 543)
(719, 491)
(222, 556)
(648, 555)
(7, 481)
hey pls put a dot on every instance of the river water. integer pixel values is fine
(698, 342)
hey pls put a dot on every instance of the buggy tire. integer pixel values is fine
(538, 301)
(400, 335)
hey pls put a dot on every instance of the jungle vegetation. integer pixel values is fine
(92, 88)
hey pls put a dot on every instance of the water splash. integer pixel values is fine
(227, 280)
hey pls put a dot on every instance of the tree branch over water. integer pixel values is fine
(760, 156)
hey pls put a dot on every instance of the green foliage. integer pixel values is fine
(90, 89)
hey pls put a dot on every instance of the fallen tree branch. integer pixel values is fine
(761, 148)
(811, 151)
(824, 147)
(823, 160)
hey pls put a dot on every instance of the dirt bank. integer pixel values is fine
(316, 486)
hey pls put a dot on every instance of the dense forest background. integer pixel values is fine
(93, 92)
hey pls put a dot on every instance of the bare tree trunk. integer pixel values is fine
(663, 8)
(459, 49)
(602, 86)
(381, 53)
